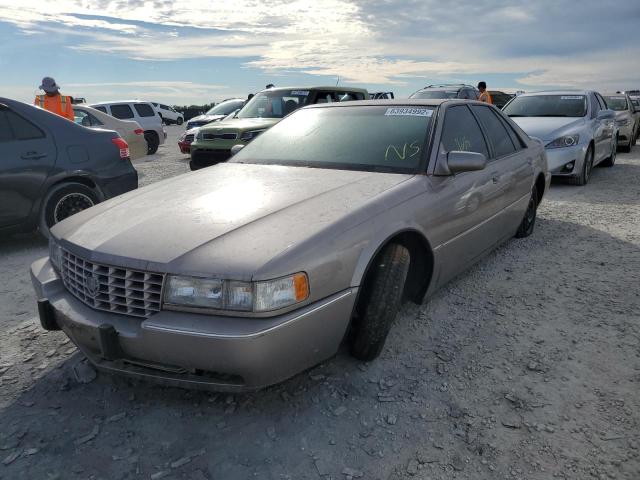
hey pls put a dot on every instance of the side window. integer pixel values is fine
(143, 109)
(123, 111)
(94, 121)
(6, 135)
(461, 132)
(102, 109)
(164, 107)
(515, 138)
(497, 133)
(324, 97)
(349, 96)
(23, 129)
(465, 93)
(82, 118)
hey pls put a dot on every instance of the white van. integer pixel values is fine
(142, 112)
(168, 114)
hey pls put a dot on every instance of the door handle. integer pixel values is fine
(33, 155)
(495, 179)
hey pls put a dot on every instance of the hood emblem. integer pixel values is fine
(92, 284)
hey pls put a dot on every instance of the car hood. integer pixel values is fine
(242, 124)
(227, 220)
(547, 128)
(206, 118)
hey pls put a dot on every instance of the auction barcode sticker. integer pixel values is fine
(410, 112)
(300, 92)
(571, 97)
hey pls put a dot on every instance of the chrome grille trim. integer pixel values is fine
(120, 290)
(219, 136)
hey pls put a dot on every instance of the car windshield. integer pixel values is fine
(274, 104)
(368, 138)
(437, 94)
(225, 108)
(547, 106)
(616, 102)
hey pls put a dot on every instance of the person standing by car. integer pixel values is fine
(53, 100)
(485, 96)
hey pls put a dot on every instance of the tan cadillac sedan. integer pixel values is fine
(130, 130)
(243, 274)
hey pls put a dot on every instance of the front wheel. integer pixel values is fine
(611, 159)
(63, 201)
(380, 301)
(529, 221)
(585, 173)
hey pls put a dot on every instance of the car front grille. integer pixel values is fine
(219, 136)
(112, 289)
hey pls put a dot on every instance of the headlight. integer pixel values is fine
(251, 134)
(566, 141)
(216, 294)
(55, 252)
(199, 136)
(622, 123)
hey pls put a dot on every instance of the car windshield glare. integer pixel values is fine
(616, 103)
(547, 106)
(225, 108)
(435, 94)
(368, 138)
(274, 104)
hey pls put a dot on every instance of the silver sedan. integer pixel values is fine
(243, 274)
(577, 128)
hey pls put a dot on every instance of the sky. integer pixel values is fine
(202, 51)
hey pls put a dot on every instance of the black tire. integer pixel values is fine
(529, 221)
(380, 301)
(587, 166)
(62, 201)
(153, 142)
(180, 121)
(626, 148)
(610, 161)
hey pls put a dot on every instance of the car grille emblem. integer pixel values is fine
(92, 284)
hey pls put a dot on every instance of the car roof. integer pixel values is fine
(120, 101)
(614, 94)
(556, 92)
(331, 88)
(396, 102)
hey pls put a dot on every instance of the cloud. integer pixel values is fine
(541, 43)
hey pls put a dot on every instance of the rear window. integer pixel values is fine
(121, 111)
(435, 94)
(144, 110)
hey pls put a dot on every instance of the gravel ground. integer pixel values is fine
(525, 367)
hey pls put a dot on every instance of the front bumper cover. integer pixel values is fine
(195, 350)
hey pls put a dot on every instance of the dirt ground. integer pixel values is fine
(525, 367)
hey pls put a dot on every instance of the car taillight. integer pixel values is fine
(138, 131)
(122, 146)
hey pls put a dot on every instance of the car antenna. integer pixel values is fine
(338, 80)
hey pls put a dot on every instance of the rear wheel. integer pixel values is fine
(180, 120)
(380, 300)
(529, 221)
(63, 201)
(587, 165)
(153, 142)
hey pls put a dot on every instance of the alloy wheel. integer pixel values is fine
(70, 205)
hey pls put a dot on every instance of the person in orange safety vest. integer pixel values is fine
(53, 101)
(484, 95)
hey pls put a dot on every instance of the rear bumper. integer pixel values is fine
(121, 184)
(193, 350)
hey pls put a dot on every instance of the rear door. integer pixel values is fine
(28, 155)
(467, 225)
(599, 127)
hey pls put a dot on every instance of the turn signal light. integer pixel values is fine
(122, 146)
(138, 131)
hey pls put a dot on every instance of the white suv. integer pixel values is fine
(141, 112)
(168, 114)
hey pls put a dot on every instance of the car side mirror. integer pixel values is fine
(606, 115)
(236, 148)
(458, 162)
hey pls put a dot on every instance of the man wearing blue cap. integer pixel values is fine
(53, 101)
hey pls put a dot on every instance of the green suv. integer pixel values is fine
(213, 142)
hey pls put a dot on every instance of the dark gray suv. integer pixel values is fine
(448, 91)
(51, 168)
